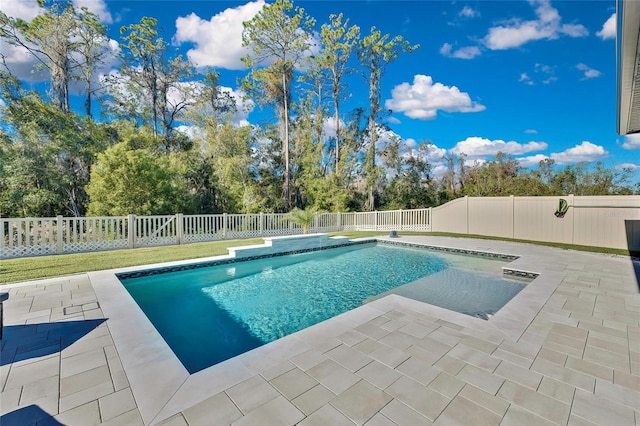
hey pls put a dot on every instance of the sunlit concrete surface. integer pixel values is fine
(566, 350)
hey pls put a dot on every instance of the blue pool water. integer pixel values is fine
(207, 315)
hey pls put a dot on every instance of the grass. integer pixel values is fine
(30, 268)
(591, 249)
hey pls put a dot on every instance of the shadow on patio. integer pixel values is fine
(28, 415)
(632, 228)
(22, 342)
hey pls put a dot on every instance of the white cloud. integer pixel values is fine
(627, 166)
(468, 12)
(632, 141)
(218, 42)
(427, 151)
(542, 73)
(193, 132)
(29, 9)
(438, 169)
(609, 28)
(243, 107)
(98, 7)
(22, 63)
(531, 131)
(329, 127)
(424, 98)
(588, 71)
(586, 151)
(517, 32)
(18, 59)
(110, 62)
(532, 160)
(475, 147)
(467, 52)
(524, 78)
(23, 9)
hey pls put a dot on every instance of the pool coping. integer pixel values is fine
(145, 354)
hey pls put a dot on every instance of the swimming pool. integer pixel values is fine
(210, 314)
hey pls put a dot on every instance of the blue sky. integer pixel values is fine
(535, 79)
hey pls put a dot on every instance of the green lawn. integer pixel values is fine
(29, 268)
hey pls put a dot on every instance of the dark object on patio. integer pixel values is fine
(393, 234)
(3, 296)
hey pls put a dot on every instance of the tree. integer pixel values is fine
(134, 181)
(279, 35)
(338, 41)
(91, 52)
(48, 38)
(304, 218)
(49, 153)
(152, 86)
(375, 52)
(229, 150)
(212, 105)
(452, 182)
(411, 184)
(591, 179)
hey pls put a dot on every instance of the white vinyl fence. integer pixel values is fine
(42, 236)
(606, 221)
(599, 221)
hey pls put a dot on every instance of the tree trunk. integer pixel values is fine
(285, 142)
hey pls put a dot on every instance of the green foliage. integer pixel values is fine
(136, 161)
(412, 187)
(148, 74)
(229, 150)
(338, 42)
(282, 34)
(375, 52)
(47, 155)
(304, 218)
(134, 181)
(504, 176)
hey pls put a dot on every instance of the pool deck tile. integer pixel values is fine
(76, 350)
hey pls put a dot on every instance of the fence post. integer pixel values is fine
(513, 216)
(261, 224)
(466, 200)
(224, 225)
(2, 222)
(131, 231)
(59, 235)
(179, 229)
(401, 220)
(573, 218)
(375, 220)
(338, 222)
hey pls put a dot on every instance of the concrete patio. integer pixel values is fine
(77, 351)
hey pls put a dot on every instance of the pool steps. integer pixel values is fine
(289, 243)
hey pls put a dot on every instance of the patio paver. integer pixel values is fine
(565, 351)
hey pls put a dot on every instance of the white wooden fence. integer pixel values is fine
(42, 236)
